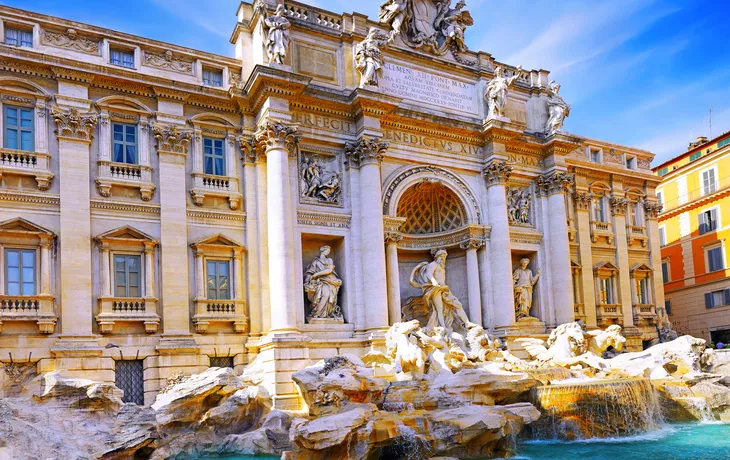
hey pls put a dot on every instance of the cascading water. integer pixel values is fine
(596, 409)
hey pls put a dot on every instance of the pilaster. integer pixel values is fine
(618, 209)
(251, 156)
(474, 289)
(582, 200)
(392, 237)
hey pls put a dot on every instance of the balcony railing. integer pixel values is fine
(111, 174)
(38, 308)
(216, 182)
(22, 163)
(636, 232)
(608, 314)
(125, 171)
(696, 194)
(209, 185)
(127, 309)
(221, 311)
(579, 311)
(601, 230)
(644, 313)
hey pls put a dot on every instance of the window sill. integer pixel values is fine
(127, 309)
(222, 311)
(206, 185)
(127, 175)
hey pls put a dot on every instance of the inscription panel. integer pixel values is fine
(431, 143)
(430, 89)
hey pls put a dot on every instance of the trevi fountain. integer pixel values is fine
(449, 311)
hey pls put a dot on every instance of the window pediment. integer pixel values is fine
(605, 268)
(218, 243)
(19, 228)
(124, 236)
(22, 88)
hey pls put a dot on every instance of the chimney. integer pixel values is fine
(701, 140)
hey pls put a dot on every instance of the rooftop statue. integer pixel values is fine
(370, 58)
(558, 110)
(429, 24)
(443, 305)
(497, 89)
(277, 38)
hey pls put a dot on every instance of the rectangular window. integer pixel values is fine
(213, 77)
(665, 272)
(595, 155)
(717, 298)
(214, 159)
(668, 307)
(662, 172)
(19, 37)
(636, 216)
(124, 143)
(660, 197)
(218, 280)
(630, 163)
(723, 143)
(20, 274)
(221, 361)
(607, 291)
(695, 156)
(709, 182)
(122, 58)
(19, 128)
(662, 236)
(129, 377)
(707, 221)
(714, 259)
(642, 291)
(127, 276)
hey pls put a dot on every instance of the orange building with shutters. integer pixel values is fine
(694, 229)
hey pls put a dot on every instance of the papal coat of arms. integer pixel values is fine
(429, 24)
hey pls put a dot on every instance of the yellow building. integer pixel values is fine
(693, 229)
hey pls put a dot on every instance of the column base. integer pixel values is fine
(280, 356)
(79, 356)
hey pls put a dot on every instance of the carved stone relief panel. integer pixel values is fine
(320, 179)
(519, 206)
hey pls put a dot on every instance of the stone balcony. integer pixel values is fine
(112, 174)
(220, 311)
(636, 233)
(207, 185)
(608, 314)
(601, 230)
(31, 164)
(38, 308)
(127, 310)
(644, 314)
(579, 311)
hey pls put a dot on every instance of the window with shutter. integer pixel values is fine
(668, 307)
(665, 272)
(708, 300)
(714, 259)
(709, 182)
(662, 236)
(702, 223)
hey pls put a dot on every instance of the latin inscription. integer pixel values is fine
(525, 160)
(432, 143)
(321, 122)
(430, 89)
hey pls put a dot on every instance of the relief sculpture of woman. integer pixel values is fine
(322, 285)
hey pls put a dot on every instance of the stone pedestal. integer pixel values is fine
(279, 356)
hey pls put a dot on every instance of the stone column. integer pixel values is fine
(74, 130)
(172, 147)
(278, 139)
(554, 186)
(238, 273)
(583, 202)
(474, 288)
(248, 147)
(368, 154)
(106, 274)
(199, 275)
(652, 209)
(391, 251)
(45, 266)
(618, 209)
(496, 174)
(149, 268)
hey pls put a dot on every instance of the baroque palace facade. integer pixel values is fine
(165, 209)
(694, 191)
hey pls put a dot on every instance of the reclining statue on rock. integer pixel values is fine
(599, 341)
(566, 347)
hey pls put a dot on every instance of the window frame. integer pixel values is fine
(212, 155)
(218, 261)
(6, 269)
(18, 128)
(701, 221)
(707, 250)
(662, 236)
(22, 33)
(211, 71)
(140, 274)
(598, 152)
(666, 272)
(631, 163)
(710, 298)
(715, 183)
(124, 51)
(124, 143)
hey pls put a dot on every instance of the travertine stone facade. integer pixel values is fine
(171, 200)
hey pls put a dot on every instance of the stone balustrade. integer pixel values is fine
(127, 309)
(608, 314)
(644, 313)
(207, 185)
(37, 308)
(222, 311)
(601, 230)
(111, 173)
(22, 163)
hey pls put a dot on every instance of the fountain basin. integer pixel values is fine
(595, 409)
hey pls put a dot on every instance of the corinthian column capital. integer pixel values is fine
(171, 139)
(497, 173)
(70, 123)
(555, 182)
(365, 151)
(276, 135)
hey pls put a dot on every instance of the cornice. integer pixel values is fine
(265, 82)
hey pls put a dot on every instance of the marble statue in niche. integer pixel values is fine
(317, 184)
(277, 37)
(433, 25)
(370, 58)
(518, 206)
(441, 305)
(322, 285)
(524, 283)
(558, 109)
(497, 89)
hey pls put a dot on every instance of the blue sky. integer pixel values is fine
(643, 73)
